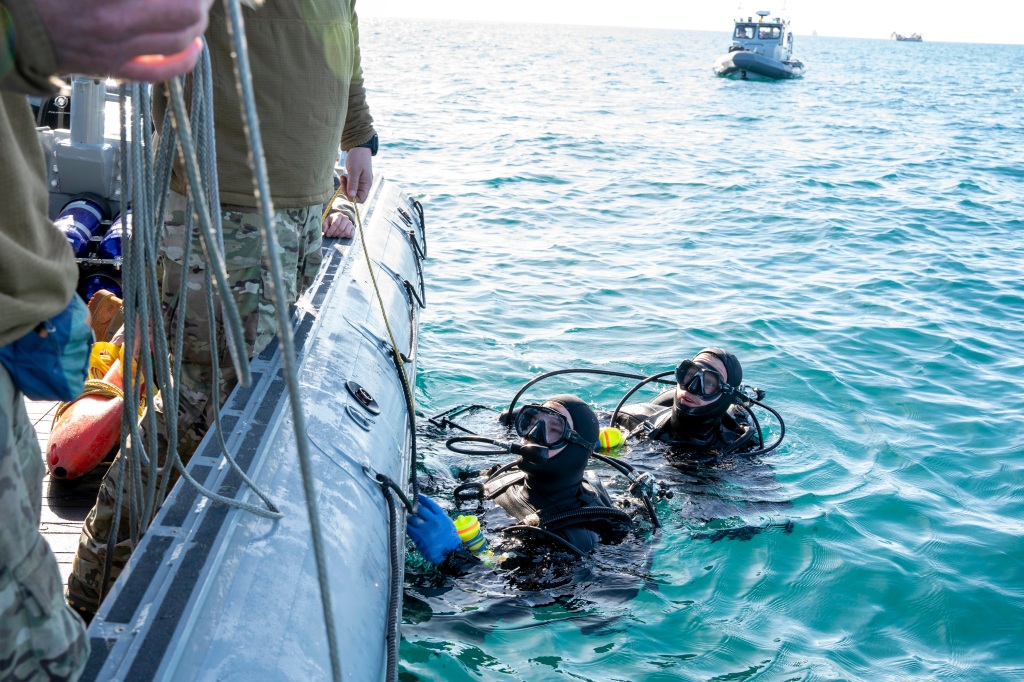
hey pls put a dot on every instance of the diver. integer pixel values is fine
(545, 489)
(703, 413)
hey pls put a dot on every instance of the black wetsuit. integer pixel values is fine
(554, 494)
(659, 420)
(580, 515)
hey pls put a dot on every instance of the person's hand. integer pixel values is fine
(337, 225)
(141, 40)
(359, 165)
(432, 531)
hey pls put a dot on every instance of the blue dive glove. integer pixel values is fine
(432, 531)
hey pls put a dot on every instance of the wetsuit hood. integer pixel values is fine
(560, 476)
(701, 423)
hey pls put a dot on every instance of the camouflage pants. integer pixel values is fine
(299, 237)
(40, 638)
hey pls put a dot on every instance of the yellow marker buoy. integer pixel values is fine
(610, 438)
(468, 528)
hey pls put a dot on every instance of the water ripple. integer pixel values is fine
(595, 198)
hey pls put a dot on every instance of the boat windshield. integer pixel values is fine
(745, 31)
(758, 31)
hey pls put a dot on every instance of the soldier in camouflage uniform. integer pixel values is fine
(40, 638)
(303, 120)
(299, 236)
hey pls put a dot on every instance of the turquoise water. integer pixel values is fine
(596, 198)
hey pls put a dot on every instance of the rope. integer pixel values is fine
(394, 584)
(108, 556)
(330, 203)
(262, 186)
(146, 195)
(98, 387)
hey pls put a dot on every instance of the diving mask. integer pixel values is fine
(548, 427)
(700, 379)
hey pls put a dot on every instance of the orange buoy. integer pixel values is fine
(86, 430)
(84, 435)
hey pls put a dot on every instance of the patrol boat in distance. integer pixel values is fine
(760, 50)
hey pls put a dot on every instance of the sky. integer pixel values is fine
(975, 21)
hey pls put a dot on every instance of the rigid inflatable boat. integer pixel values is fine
(760, 50)
(219, 593)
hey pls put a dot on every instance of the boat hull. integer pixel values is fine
(218, 593)
(746, 65)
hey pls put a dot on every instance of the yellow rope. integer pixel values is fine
(380, 302)
(101, 388)
(329, 204)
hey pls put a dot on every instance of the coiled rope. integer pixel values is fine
(146, 193)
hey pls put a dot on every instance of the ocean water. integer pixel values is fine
(596, 198)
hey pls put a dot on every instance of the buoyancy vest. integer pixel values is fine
(582, 516)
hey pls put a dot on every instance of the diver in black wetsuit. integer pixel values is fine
(702, 413)
(545, 489)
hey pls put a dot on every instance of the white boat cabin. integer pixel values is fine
(771, 38)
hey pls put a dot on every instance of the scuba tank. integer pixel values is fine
(80, 221)
(112, 244)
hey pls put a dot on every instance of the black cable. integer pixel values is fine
(644, 381)
(781, 425)
(500, 448)
(386, 482)
(585, 512)
(623, 468)
(459, 494)
(630, 474)
(507, 421)
(757, 425)
(529, 451)
(534, 529)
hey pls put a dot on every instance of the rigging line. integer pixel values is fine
(243, 77)
(144, 222)
(396, 545)
(330, 202)
(202, 122)
(233, 324)
(142, 302)
(108, 556)
(145, 231)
